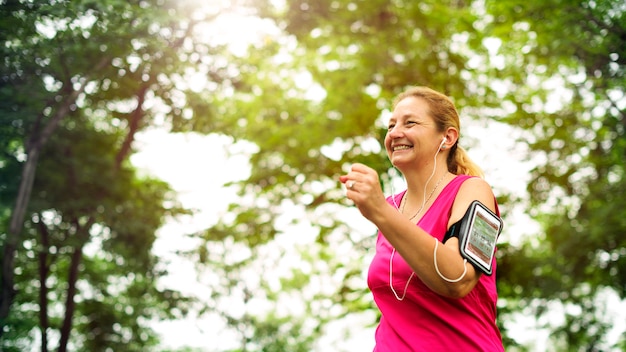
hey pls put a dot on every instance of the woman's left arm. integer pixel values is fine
(415, 245)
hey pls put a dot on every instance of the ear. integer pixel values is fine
(451, 136)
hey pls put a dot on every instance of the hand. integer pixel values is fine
(363, 188)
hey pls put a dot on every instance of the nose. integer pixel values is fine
(394, 132)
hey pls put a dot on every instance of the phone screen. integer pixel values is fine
(482, 237)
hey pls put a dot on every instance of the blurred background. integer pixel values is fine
(169, 168)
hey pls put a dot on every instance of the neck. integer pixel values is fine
(421, 182)
(421, 192)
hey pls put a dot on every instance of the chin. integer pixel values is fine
(398, 163)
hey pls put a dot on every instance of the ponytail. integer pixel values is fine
(459, 163)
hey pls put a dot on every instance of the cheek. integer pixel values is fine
(387, 142)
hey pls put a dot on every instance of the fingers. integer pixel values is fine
(359, 173)
(350, 184)
(360, 168)
(363, 188)
(360, 178)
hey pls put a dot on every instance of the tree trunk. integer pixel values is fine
(33, 148)
(15, 228)
(44, 270)
(135, 120)
(70, 304)
(82, 234)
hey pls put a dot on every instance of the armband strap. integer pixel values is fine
(478, 232)
(453, 231)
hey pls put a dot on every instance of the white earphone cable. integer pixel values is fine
(437, 267)
(393, 197)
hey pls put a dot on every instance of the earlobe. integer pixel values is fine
(450, 137)
(443, 141)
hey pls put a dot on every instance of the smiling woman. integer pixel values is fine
(415, 271)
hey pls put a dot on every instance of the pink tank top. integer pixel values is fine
(424, 320)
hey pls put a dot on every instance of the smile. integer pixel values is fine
(401, 147)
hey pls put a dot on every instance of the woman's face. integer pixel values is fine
(412, 137)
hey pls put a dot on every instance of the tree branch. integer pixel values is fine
(44, 270)
(135, 119)
(34, 145)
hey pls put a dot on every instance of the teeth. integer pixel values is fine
(401, 147)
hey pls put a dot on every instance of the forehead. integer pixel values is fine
(411, 107)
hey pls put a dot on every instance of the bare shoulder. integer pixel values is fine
(472, 189)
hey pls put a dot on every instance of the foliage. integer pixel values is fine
(577, 192)
(78, 80)
(306, 140)
(116, 288)
(500, 60)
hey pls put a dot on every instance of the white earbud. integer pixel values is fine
(443, 141)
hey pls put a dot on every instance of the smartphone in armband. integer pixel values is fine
(478, 233)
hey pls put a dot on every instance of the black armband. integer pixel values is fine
(478, 233)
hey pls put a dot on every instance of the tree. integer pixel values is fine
(91, 232)
(311, 101)
(578, 131)
(103, 70)
(497, 60)
(305, 141)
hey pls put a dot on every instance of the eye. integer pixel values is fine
(391, 126)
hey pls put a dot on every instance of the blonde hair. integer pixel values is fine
(443, 111)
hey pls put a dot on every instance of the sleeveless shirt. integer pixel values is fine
(425, 320)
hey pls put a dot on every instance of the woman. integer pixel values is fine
(429, 297)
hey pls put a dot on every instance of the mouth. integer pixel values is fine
(396, 148)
